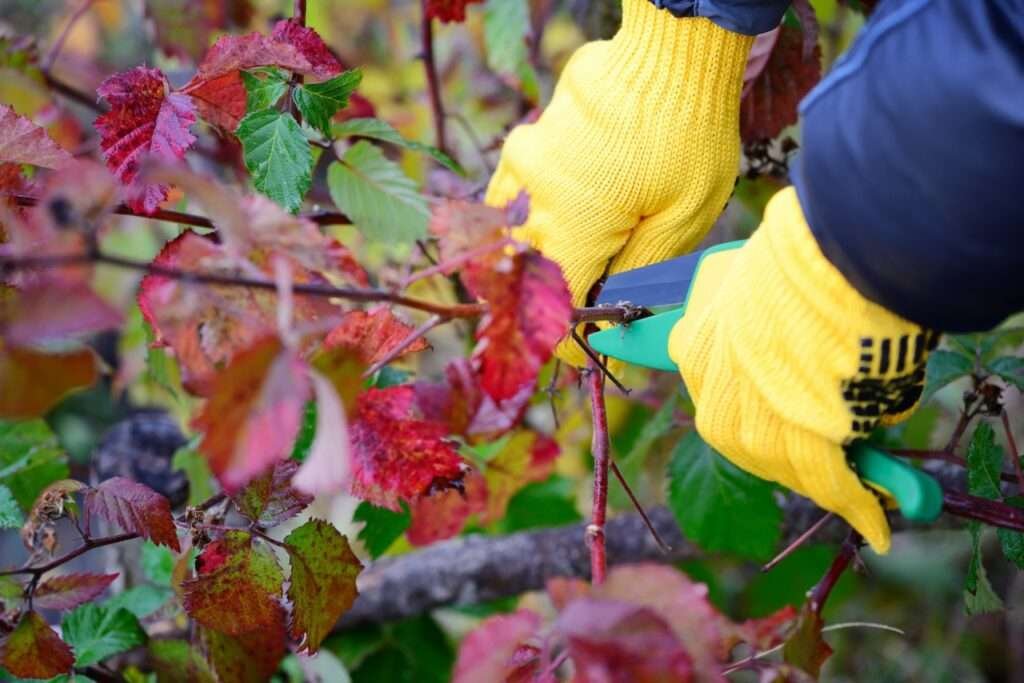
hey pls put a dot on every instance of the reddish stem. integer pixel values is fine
(984, 510)
(433, 84)
(820, 593)
(1014, 453)
(84, 548)
(599, 448)
(446, 267)
(800, 540)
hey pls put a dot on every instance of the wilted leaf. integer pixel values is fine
(529, 311)
(385, 132)
(327, 468)
(250, 657)
(308, 42)
(770, 104)
(372, 335)
(144, 119)
(42, 379)
(377, 195)
(396, 454)
(441, 514)
(277, 155)
(943, 368)
(719, 506)
(23, 142)
(322, 585)
(135, 508)
(253, 415)
(71, 590)
(96, 633)
(806, 649)
(381, 527)
(319, 102)
(270, 498)
(488, 652)
(237, 587)
(34, 650)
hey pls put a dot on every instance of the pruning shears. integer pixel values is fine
(664, 290)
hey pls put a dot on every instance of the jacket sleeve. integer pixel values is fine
(748, 17)
(910, 168)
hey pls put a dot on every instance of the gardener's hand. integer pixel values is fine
(638, 152)
(787, 363)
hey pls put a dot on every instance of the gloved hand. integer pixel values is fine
(786, 363)
(638, 152)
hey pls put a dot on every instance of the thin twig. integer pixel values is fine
(818, 596)
(433, 84)
(445, 267)
(413, 337)
(639, 508)
(551, 390)
(71, 93)
(67, 557)
(1014, 453)
(596, 360)
(800, 540)
(600, 450)
(54, 51)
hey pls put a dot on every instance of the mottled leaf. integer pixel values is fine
(250, 657)
(771, 101)
(270, 498)
(135, 508)
(96, 633)
(71, 590)
(34, 650)
(322, 585)
(396, 454)
(177, 660)
(488, 653)
(381, 527)
(377, 195)
(43, 379)
(441, 514)
(385, 132)
(277, 155)
(319, 102)
(253, 415)
(237, 587)
(23, 142)
(145, 118)
(468, 410)
(372, 335)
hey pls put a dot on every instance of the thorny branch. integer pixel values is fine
(847, 554)
(600, 448)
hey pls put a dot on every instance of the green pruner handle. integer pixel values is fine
(918, 495)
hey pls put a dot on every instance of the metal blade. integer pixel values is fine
(659, 284)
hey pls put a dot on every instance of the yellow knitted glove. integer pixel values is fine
(638, 152)
(787, 363)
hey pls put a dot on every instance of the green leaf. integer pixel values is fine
(30, 459)
(788, 581)
(979, 596)
(1003, 339)
(506, 25)
(383, 131)
(319, 102)
(197, 471)
(262, 93)
(157, 563)
(95, 633)
(177, 660)
(277, 156)
(322, 585)
(1010, 369)
(141, 601)
(546, 504)
(10, 514)
(10, 589)
(382, 526)
(944, 367)
(1012, 542)
(414, 650)
(984, 463)
(377, 195)
(718, 505)
(307, 432)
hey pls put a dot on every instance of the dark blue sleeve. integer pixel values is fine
(749, 17)
(910, 172)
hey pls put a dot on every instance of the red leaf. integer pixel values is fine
(805, 648)
(466, 408)
(23, 142)
(461, 226)
(439, 515)
(253, 415)
(42, 379)
(52, 312)
(530, 309)
(71, 590)
(144, 119)
(448, 10)
(489, 652)
(322, 585)
(135, 508)
(328, 467)
(311, 45)
(372, 335)
(270, 498)
(34, 650)
(396, 454)
(221, 100)
(250, 657)
(183, 27)
(237, 588)
(767, 632)
(617, 641)
(771, 102)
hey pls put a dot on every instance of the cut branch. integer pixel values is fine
(600, 449)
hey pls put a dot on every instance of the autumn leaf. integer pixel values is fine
(461, 226)
(177, 660)
(462, 404)
(145, 118)
(489, 652)
(135, 508)
(322, 585)
(328, 466)
(237, 587)
(250, 657)
(805, 648)
(53, 312)
(396, 454)
(309, 43)
(448, 10)
(253, 415)
(43, 379)
(372, 335)
(439, 515)
(34, 650)
(771, 101)
(270, 498)
(70, 590)
(529, 311)
(23, 142)
(526, 457)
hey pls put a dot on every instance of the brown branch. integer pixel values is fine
(89, 544)
(73, 94)
(433, 83)
(600, 448)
